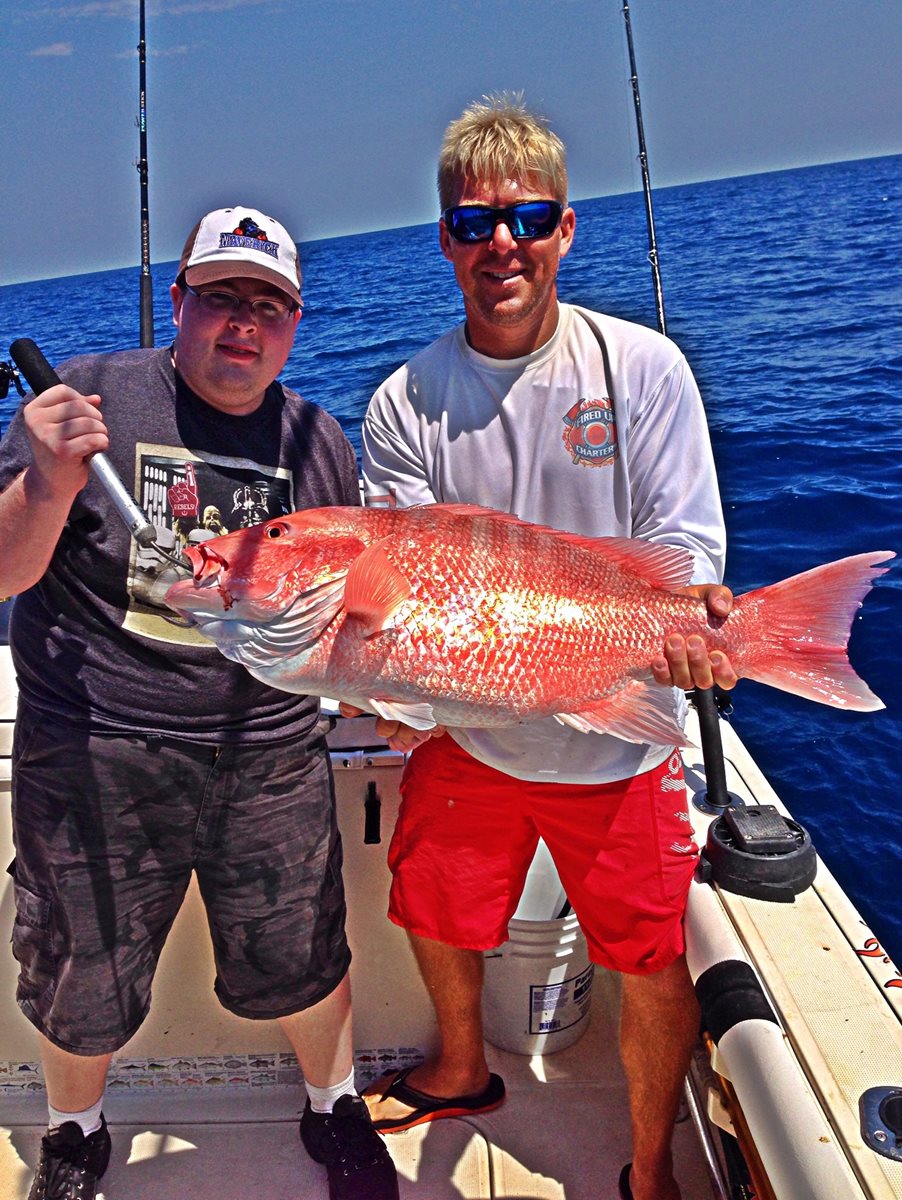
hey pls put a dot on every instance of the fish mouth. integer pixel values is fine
(209, 570)
(206, 596)
(208, 564)
(211, 573)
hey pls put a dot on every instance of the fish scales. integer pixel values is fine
(461, 616)
(539, 625)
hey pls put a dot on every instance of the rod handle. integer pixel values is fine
(39, 375)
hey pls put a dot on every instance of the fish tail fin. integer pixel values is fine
(805, 622)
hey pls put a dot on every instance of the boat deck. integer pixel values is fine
(562, 1133)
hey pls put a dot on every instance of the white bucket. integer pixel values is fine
(538, 987)
(543, 897)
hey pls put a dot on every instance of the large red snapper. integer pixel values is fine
(460, 616)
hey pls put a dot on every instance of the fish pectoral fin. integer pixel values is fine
(375, 589)
(638, 712)
(417, 716)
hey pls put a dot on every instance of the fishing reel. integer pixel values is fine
(9, 375)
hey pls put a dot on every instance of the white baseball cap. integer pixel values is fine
(233, 243)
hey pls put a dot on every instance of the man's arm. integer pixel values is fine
(64, 429)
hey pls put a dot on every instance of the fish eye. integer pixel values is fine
(276, 530)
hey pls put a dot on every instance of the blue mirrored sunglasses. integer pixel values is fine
(527, 221)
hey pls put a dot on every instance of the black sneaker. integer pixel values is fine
(71, 1164)
(344, 1140)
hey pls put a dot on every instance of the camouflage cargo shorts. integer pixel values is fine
(107, 831)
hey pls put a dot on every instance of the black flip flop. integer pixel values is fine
(623, 1183)
(433, 1108)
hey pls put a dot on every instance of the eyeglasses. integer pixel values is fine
(226, 304)
(528, 221)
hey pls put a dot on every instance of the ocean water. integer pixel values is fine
(783, 293)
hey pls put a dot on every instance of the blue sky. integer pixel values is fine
(328, 113)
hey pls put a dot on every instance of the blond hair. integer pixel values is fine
(498, 138)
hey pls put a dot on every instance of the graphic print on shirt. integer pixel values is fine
(590, 433)
(190, 500)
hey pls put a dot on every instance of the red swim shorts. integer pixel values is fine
(466, 835)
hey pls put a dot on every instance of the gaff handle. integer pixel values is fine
(39, 375)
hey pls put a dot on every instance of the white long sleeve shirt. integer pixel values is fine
(601, 432)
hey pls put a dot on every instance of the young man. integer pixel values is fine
(577, 420)
(140, 752)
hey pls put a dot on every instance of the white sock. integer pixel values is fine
(89, 1120)
(322, 1099)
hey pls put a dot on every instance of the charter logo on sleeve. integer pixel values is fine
(590, 433)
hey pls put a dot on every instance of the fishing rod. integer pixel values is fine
(646, 179)
(141, 164)
(716, 797)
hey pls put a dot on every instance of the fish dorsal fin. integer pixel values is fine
(375, 589)
(441, 512)
(639, 712)
(667, 567)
